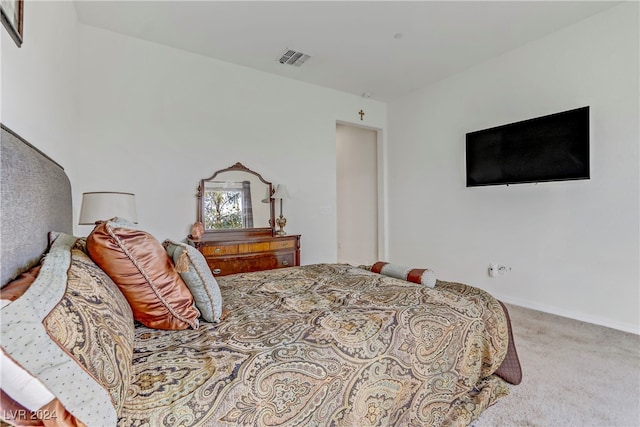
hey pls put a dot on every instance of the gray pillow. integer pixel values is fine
(195, 272)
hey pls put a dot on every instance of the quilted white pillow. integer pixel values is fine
(20, 385)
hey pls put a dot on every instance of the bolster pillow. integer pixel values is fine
(422, 276)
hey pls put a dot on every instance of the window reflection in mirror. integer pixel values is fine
(235, 199)
(227, 205)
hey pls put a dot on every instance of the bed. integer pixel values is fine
(316, 345)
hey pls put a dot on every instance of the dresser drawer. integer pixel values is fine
(286, 260)
(253, 247)
(223, 267)
(244, 264)
(215, 250)
(282, 244)
(233, 255)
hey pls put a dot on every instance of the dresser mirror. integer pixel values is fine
(236, 200)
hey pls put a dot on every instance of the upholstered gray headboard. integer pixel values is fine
(35, 199)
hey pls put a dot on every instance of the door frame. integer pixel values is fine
(381, 167)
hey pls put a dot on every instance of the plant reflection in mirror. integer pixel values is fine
(228, 206)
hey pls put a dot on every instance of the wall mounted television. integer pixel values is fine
(547, 148)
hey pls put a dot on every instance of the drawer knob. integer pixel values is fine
(217, 250)
(216, 271)
(285, 262)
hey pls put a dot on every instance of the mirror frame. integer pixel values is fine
(237, 232)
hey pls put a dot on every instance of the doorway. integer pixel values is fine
(357, 194)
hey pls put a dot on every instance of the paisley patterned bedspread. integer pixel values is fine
(324, 345)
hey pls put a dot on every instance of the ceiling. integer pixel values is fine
(383, 48)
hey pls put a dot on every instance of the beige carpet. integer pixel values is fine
(574, 374)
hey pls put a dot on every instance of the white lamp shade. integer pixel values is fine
(103, 205)
(267, 196)
(281, 192)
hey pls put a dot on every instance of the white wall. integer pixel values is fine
(37, 92)
(156, 120)
(572, 246)
(123, 114)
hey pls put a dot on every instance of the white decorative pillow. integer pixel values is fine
(21, 386)
(423, 276)
(195, 272)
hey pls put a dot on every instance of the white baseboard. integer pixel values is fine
(621, 326)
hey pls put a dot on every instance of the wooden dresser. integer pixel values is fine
(229, 255)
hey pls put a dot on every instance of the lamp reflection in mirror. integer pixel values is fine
(281, 221)
(104, 205)
(267, 196)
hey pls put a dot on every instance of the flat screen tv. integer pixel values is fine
(548, 148)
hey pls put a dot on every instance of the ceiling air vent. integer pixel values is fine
(292, 57)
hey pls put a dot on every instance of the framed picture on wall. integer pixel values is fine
(11, 11)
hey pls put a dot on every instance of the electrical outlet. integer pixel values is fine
(493, 270)
(503, 269)
(498, 270)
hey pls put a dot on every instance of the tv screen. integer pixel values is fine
(548, 148)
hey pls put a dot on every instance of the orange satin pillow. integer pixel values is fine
(139, 265)
(20, 284)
